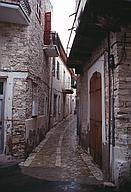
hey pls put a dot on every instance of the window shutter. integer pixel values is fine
(47, 39)
(48, 21)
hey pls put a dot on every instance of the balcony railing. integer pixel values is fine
(25, 5)
(51, 44)
(67, 89)
(15, 11)
(50, 38)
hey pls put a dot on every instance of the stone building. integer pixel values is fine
(24, 75)
(101, 56)
(63, 101)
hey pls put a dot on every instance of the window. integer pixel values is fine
(35, 100)
(45, 106)
(1, 88)
(64, 78)
(58, 71)
(55, 105)
(59, 105)
(53, 67)
(38, 10)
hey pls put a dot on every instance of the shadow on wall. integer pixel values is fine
(34, 138)
(36, 129)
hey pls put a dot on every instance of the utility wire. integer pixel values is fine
(73, 24)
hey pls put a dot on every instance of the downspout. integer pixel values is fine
(50, 102)
(113, 122)
(109, 107)
(111, 66)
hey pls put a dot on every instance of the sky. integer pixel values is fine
(62, 9)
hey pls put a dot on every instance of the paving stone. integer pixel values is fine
(60, 158)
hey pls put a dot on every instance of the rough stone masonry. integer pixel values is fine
(25, 71)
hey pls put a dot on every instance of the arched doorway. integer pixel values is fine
(96, 118)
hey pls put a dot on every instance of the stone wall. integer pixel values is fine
(122, 150)
(22, 52)
(83, 94)
(120, 159)
(61, 81)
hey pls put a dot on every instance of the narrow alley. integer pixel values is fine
(59, 158)
(58, 164)
(65, 96)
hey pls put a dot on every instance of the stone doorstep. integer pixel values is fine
(109, 184)
(32, 156)
(96, 172)
(8, 160)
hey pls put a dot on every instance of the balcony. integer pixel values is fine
(51, 44)
(97, 18)
(67, 91)
(15, 11)
(67, 88)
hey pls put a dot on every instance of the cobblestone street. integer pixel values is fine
(58, 164)
(59, 158)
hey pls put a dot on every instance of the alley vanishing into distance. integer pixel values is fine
(58, 164)
(65, 110)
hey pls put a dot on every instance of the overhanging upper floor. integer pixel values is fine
(96, 20)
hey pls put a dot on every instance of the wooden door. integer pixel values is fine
(96, 118)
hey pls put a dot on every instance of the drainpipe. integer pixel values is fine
(111, 66)
(78, 114)
(50, 102)
(113, 123)
(109, 109)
